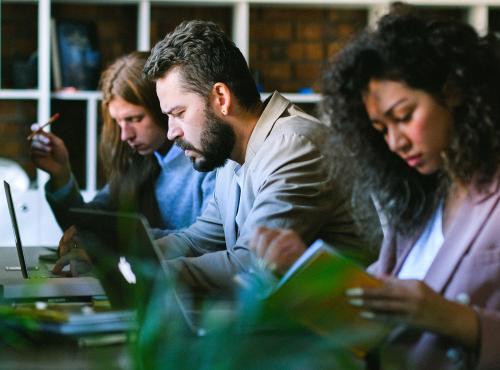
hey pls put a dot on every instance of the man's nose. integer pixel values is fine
(174, 130)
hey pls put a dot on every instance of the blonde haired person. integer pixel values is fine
(145, 172)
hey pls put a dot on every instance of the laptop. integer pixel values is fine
(41, 287)
(128, 264)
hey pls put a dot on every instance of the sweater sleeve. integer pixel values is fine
(62, 200)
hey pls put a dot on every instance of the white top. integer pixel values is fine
(425, 249)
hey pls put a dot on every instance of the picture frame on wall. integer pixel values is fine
(76, 60)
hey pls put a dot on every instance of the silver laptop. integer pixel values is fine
(128, 264)
(41, 287)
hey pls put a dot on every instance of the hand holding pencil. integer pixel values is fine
(46, 124)
(49, 153)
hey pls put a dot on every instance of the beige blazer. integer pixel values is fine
(283, 183)
(466, 269)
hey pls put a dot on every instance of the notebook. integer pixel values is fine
(41, 287)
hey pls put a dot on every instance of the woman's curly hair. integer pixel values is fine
(445, 59)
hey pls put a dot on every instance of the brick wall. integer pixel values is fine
(165, 18)
(288, 46)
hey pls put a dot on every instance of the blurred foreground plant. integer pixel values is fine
(234, 336)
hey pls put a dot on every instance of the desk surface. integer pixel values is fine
(53, 355)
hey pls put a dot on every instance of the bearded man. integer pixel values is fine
(272, 170)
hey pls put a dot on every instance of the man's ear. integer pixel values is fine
(221, 98)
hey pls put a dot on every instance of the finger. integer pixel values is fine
(256, 242)
(68, 233)
(40, 137)
(382, 317)
(43, 137)
(71, 232)
(67, 246)
(390, 289)
(387, 306)
(277, 250)
(284, 250)
(256, 236)
(40, 146)
(63, 248)
(68, 240)
(263, 240)
(60, 264)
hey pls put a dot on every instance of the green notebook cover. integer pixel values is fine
(312, 295)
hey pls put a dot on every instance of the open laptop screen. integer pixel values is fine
(15, 229)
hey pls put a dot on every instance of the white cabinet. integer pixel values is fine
(32, 212)
(147, 20)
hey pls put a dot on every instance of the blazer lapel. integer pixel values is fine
(275, 106)
(233, 204)
(470, 219)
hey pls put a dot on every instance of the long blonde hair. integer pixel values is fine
(130, 176)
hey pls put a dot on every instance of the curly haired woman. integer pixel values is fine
(415, 113)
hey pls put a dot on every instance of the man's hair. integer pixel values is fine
(205, 56)
(447, 60)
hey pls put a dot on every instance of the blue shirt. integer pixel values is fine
(182, 193)
(181, 198)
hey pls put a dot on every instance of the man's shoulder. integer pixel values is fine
(293, 138)
(301, 125)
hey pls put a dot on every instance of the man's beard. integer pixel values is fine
(217, 142)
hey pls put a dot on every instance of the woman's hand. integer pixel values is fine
(277, 248)
(414, 303)
(49, 153)
(71, 254)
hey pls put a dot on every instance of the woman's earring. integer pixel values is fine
(445, 159)
(223, 111)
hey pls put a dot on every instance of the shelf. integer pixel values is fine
(17, 94)
(77, 95)
(296, 98)
(285, 42)
(97, 95)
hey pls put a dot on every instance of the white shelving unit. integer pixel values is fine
(35, 217)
